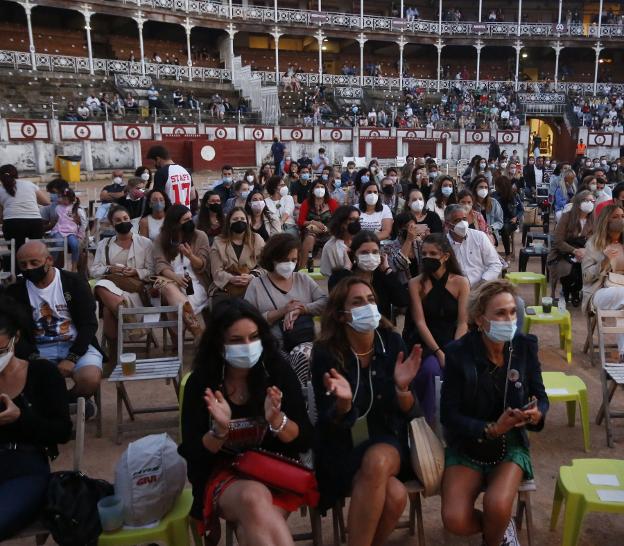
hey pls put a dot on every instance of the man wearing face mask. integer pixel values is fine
(321, 161)
(475, 253)
(300, 188)
(64, 323)
(171, 178)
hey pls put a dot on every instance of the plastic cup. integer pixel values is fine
(547, 304)
(128, 363)
(110, 510)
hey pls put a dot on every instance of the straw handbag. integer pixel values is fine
(427, 455)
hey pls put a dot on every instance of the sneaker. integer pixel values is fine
(511, 535)
(90, 409)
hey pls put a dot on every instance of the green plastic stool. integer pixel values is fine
(528, 277)
(555, 316)
(570, 389)
(173, 529)
(581, 497)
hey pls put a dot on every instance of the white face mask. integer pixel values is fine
(319, 192)
(249, 178)
(446, 191)
(371, 198)
(368, 262)
(117, 180)
(257, 206)
(365, 318)
(245, 355)
(593, 187)
(283, 191)
(418, 205)
(6, 357)
(244, 194)
(461, 228)
(482, 193)
(145, 177)
(503, 165)
(285, 269)
(587, 207)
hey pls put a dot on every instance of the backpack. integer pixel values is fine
(70, 512)
(149, 477)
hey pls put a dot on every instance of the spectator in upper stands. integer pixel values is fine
(320, 161)
(444, 194)
(192, 102)
(474, 252)
(71, 224)
(512, 212)
(34, 418)
(153, 99)
(343, 226)
(171, 178)
(156, 58)
(157, 205)
(71, 114)
(130, 103)
(94, 105)
(134, 200)
(277, 150)
(242, 189)
(314, 216)
(300, 188)
(181, 255)
(118, 105)
(178, 99)
(48, 212)
(20, 200)
(234, 257)
(210, 217)
(261, 219)
(281, 204)
(83, 112)
(106, 105)
(63, 318)
(374, 215)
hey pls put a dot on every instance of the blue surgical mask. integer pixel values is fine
(324, 177)
(365, 318)
(365, 179)
(158, 206)
(447, 191)
(502, 331)
(337, 183)
(244, 355)
(53, 198)
(305, 176)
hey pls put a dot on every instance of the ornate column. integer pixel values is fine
(188, 27)
(362, 40)
(479, 45)
(86, 12)
(319, 38)
(557, 47)
(439, 19)
(231, 30)
(599, 21)
(276, 36)
(519, 15)
(597, 48)
(560, 10)
(275, 11)
(518, 47)
(28, 7)
(439, 45)
(140, 20)
(401, 41)
(361, 14)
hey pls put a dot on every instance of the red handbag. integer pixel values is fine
(279, 472)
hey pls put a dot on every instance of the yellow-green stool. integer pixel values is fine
(570, 389)
(528, 277)
(315, 275)
(563, 320)
(581, 496)
(173, 529)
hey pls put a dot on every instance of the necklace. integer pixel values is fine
(362, 354)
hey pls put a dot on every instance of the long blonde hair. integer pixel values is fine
(601, 228)
(562, 184)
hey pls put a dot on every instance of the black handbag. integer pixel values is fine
(302, 330)
(485, 451)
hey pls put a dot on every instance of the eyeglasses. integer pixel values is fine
(9, 347)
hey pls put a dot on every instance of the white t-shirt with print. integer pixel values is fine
(372, 222)
(51, 318)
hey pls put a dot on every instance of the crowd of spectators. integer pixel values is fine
(600, 113)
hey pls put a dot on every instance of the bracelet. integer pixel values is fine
(400, 392)
(489, 431)
(436, 350)
(216, 436)
(282, 426)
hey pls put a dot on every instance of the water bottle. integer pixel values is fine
(562, 303)
(310, 262)
(189, 286)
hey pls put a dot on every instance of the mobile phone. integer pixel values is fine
(530, 405)
(529, 311)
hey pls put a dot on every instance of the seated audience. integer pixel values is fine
(374, 215)
(241, 395)
(281, 204)
(63, 318)
(484, 421)
(618, 199)
(134, 200)
(474, 217)
(242, 189)
(404, 251)
(489, 207)
(71, 223)
(512, 212)
(415, 205)
(144, 174)
(34, 418)
(234, 256)
(157, 205)
(564, 193)
(300, 187)
(182, 262)
(363, 385)
(568, 247)
(343, 226)
(390, 195)
(110, 194)
(210, 217)
(444, 194)
(48, 212)
(262, 221)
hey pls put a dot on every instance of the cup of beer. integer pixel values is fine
(547, 304)
(128, 363)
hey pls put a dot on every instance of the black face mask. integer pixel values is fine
(123, 227)
(188, 227)
(215, 207)
(430, 265)
(35, 275)
(354, 227)
(388, 190)
(238, 227)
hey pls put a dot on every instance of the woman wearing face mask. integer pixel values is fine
(480, 168)
(362, 377)
(241, 395)
(210, 218)
(374, 215)
(144, 174)
(234, 256)
(564, 192)
(421, 182)
(283, 296)
(415, 205)
(376, 172)
(390, 195)
(438, 304)
(34, 418)
(443, 195)
(514, 173)
(292, 174)
(370, 264)
(489, 207)
(242, 189)
(491, 374)
(404, 251)
(181, 255)
(474, 217)
(314, 216)
(263, 222)
(266, 171)
(157, 205)
(343, 226)
(512, 212)
(127, 254)
(251, 178)
(568, 246)
(362, 177)
(281, 204)
(336, 192)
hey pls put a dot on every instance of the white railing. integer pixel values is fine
(377, 23)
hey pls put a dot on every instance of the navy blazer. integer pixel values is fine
(464, 409)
